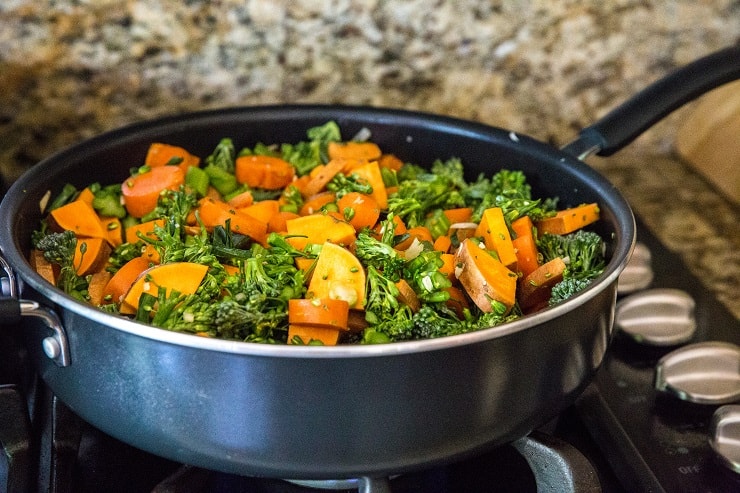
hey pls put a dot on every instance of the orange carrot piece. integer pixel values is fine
(407, 295)
(535, 288)
(215, 213)
(458, 301)
(79, 217)
(483, 277)
(459, 215)
(124, 278)
(354, 150)
(569, 220)
(278, 222)
(523, 226)
(420, 233)
(321, 175)
(43, 267)
(318, 229)
(443, 243)
(307, 334)
(160, 154)
(361, 210)
(244, 199)
(86, 195)
(91, 254)
(390, 161)
(184, 277)
(114, 229)
(146, 229)
(526, 254)
(264, 210)
(370, 172)
(495, 234)
(141, 192)
(313, 204)
(448, 267)
(95, 289)
(338, 275)
(269, 172)
(321, 312)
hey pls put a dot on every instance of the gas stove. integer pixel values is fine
(622, 435)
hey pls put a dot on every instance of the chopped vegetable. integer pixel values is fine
(319, 242)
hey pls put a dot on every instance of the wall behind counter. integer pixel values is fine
(70, 69)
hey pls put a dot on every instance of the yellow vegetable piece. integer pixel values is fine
(338, 275)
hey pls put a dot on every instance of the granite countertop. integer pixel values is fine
(70, 69)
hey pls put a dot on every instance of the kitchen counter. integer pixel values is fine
(72, 69)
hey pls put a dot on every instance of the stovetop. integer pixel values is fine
(633, 437)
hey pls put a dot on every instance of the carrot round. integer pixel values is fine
(322, 312)
(160, 154)
(141, 192)
(360, 210)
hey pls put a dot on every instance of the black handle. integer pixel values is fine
(627, 121)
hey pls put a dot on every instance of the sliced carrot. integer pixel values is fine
(318, 229)
(278, 222)
(269, 172)
(151, 254)
(458, 301)
(264, 210)
(244, 199)
(338, 275)
(390, 161)
(43, 267)
(420, 233)
(124, 278)
(459, 214)
(307, 334)
(215, 213)
(145, 229)
(526, 254)
(79, 217)
(362, 211)
(314, 203)
(354, 150)
(115, 230)
(370, 172)
(448, 267)
(320, 176)
(535, 288)
(184, 277)
(91, 254)
(495, 234)
(304, 263)
(483, 277)
(569, 220)
(96, 287)
(407, 295)
(443, 243)
(160, 154)
(86, 195)
(321, 312)
(523, 226)
(141, 192)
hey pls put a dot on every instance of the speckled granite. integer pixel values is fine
(70, 69)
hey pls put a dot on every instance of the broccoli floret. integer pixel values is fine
(437, 321)
(383, 311)
(223, 156)
(510, 191)
(583, 254)
(342, 184)
(379, 255)
(426, 191)
(59, 249)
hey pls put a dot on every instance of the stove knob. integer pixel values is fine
(703, 373)
(638, 273)
(725, 436)
(657, 317)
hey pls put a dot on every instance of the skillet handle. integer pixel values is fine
(628, 120)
